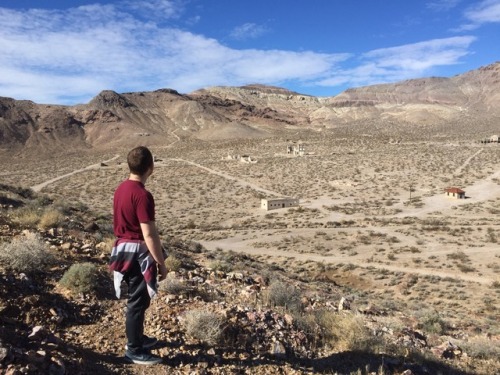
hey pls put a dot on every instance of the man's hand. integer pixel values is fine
(162, 271)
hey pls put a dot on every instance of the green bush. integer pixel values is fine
(431, 321)
(205, 326)
(80, 278)
(26, 254)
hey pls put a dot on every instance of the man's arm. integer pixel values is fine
(152, 239)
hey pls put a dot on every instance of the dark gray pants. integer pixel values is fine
(137, 304)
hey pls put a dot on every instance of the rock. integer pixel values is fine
(278, 349)
(37, 332)
(101, 246)
(57, 367)
(4, 352)
(66, 246)
(11, 370)
(35, 357)
(91, 227)
(447, 350)
(344, 304)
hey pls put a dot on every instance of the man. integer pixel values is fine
(137, 252)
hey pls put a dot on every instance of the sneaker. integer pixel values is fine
(147, 342)
(142, 358)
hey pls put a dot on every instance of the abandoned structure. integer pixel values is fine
(275, 203)
(296, 149)
(454, 192)
(242, 158)
(493, 139)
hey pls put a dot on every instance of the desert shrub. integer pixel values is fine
(283, 294)
(219, 265)
(63, 206)
(173, 286)
(344, 331)
(23, 192)
(27, 217)
(491, 236)
(205, 326)
(42, 201)
(26, 254)
(80, 278)
(191, 224)
(195, 247)
(465, 268)
(307, 324)
(481, 348)
(173, 263)
(432, 322)
(50, 218)
(458, 255)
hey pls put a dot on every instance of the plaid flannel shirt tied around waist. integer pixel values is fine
(123, 256)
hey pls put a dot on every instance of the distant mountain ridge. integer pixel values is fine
(112, 119)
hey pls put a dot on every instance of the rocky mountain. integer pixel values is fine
(164, 115)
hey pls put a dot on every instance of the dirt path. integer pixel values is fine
(39, 187)
(459, 169)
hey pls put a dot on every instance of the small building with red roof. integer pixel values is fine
(454, 192)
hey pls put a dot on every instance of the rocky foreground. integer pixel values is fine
(217, 313)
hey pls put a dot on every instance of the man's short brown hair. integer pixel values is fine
(139, 160)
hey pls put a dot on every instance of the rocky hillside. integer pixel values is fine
(164, 116)
(217, 312)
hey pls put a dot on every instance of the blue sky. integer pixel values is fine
(66, 52)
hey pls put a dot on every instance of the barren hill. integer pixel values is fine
(164, 115)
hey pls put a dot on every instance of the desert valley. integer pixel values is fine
(388, 264)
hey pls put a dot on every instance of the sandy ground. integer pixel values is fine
(480, 191)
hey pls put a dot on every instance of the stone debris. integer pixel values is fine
(448, 350)
(52, 333)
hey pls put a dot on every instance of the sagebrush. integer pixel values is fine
(27, 254)
(205, 326)
(80, 278)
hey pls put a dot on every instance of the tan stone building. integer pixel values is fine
(296, 149)
(275, 203)
(454, 192)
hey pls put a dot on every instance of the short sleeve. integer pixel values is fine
(146, 208)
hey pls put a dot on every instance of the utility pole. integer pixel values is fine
(411, 189)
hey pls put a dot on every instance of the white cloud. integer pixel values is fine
(53, 56)
(248, 31)
(70, 56)
(402, 62)
(157, 9)
(442, 5)
(487, 11)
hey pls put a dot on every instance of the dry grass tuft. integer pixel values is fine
(205, 326)
(50, 218)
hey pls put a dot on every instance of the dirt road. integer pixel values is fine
(39, 187)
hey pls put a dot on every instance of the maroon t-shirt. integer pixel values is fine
(132, 205)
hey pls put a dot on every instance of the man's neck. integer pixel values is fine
(136, 177)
